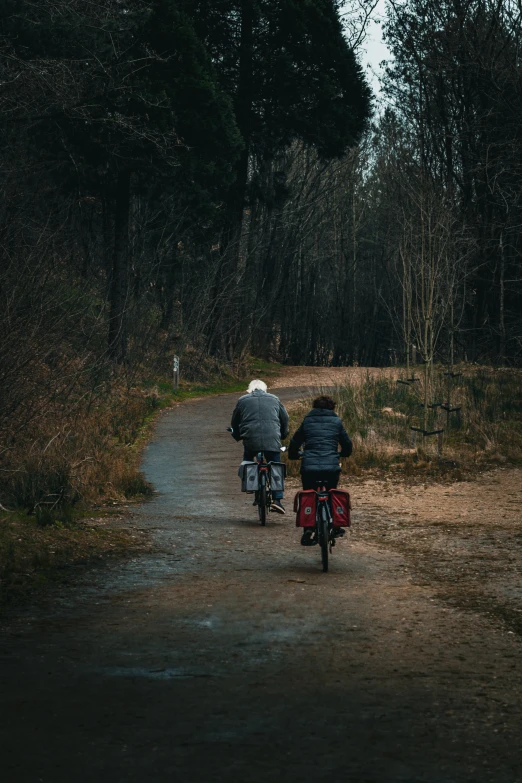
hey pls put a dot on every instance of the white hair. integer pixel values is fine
(253, 385)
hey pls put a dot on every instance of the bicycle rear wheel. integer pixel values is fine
(324, 538)
(261, 506)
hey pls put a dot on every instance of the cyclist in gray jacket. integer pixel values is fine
(260, 420)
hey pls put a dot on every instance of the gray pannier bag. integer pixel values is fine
(277, 476)
(249, 477)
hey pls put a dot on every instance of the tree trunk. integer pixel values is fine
(502, 319)
(243, 112)
(222, 329)
(119, 272)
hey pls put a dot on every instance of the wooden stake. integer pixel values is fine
(175, 368)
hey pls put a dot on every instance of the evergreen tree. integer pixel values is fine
(292, 76)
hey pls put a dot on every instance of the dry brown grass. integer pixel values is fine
(85, 453)
(379, 413)
(83, 449)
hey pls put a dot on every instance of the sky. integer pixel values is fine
(374, 50)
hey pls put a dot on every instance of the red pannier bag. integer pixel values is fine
(340, 505)
(304, 506)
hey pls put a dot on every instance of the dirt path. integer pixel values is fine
(462, 539)
(226, 655)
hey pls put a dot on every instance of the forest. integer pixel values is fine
(215, 179)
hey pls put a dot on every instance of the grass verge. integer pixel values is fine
(379, 415)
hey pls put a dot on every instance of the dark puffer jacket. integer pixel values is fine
(321, 431)
(260, 420)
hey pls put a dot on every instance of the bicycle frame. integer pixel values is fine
(323, 501)
(324, 523)
(263, 494)
(263, 471)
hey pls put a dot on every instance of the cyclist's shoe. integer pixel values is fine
(339, 532)
(308, 538)
(276, 505)
(256, 502)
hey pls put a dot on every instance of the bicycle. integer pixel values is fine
(324, 529)
(263, 493)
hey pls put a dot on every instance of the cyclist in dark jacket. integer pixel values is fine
(260, 420)
(322, 433)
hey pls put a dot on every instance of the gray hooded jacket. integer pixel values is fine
(260, 420)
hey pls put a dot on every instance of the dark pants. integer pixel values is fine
(329, 478)
(270, 456)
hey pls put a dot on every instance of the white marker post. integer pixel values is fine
(175, 368)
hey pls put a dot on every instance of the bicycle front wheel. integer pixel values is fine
(324, 538)
(261, 506)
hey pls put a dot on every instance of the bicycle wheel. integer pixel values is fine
(324, 538)
(261, 506)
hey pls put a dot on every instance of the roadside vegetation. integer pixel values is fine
(379, 414)
(85, 452)
(75, 462)
(75, 453)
